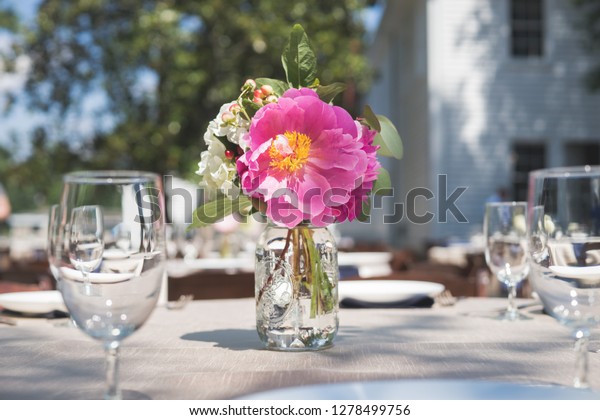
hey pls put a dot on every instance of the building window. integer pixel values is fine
(527, 28)
(526, 158)
(578, 153)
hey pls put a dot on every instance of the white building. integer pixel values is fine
(482, 91)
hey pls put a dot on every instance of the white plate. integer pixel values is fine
(382, 291)
(38, 302)
(95, 278)
(591, 273)
(427, 389)
(363, 258)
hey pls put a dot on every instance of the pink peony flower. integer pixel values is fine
(308, 160)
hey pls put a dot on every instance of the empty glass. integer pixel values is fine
(53, 237)
(564, 239)
(505, 232)
(110, 255)
(86, 241)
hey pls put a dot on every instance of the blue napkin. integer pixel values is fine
(413, 302)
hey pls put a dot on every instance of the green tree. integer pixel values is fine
(164, 67)
(37, 181)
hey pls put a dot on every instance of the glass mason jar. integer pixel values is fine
(296, 289)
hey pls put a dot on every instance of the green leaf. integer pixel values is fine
(216, 210)
(388, 139)
(250, 107)
(329, 92)
(298, 59)
(279, 86)
(365, 211)
(371, 119)
(383, 183)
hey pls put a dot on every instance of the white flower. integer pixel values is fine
(217, 172)
(217, 126)
(239, 134)
(235, 131)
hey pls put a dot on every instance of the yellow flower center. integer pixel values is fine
(289, 152)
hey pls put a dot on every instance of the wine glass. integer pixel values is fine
(505, 232)
(564, 237)
(86, 241)
(110, 256)
(53, 238)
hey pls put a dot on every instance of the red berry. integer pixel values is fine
(267, 90)
(228, 154)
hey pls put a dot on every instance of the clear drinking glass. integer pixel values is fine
(110, 256)
(565, 249)
(505, 232)
(86, 241)
(53, 238)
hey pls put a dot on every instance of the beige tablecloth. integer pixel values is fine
(209, 350)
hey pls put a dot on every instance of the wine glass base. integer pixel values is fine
(512, 316)
(98, 394)
(502, 316)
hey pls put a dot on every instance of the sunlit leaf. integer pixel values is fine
(298, 59)
(218, 209)
(329, 92)
(371, 119)
(388, 139)
(365, 212)
(383, 183)
(279, 86)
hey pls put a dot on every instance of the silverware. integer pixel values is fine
(529, 304)
(445, 299)
(7, 321)
(181, 302)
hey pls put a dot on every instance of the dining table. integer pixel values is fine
(209, 350)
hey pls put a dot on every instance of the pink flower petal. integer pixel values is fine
(308, 160)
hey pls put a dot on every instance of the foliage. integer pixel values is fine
(162, 68)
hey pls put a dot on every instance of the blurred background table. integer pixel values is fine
(210, 350)
(233, 277)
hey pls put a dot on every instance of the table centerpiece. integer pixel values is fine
(283, 150)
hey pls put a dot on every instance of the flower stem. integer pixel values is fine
(321, 295)
(296, 255)
(281, 258)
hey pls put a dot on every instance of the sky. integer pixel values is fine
(19, 121)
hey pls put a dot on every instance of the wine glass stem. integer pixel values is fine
(511, 310)
(111, 367)
(581, 359)
(87, 286)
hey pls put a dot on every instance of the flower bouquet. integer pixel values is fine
(282, 149)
